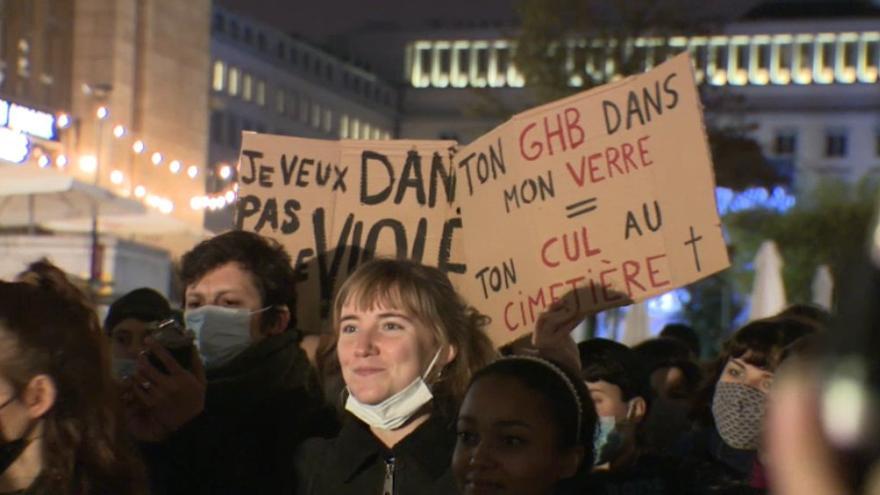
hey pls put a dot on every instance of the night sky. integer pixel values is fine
(317, 20)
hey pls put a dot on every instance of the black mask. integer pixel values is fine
(10, 450)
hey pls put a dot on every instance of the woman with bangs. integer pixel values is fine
(723, 452)
(407, 345)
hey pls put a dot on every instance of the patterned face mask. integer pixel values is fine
(738, 410)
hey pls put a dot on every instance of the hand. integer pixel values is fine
(157, 403)
(552, 336)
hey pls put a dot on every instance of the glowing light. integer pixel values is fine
(225, 172)
(118, 131)
(88, 163)
(116, 177)
(166, 206)
(43, 161)
(138, 146)
(140, 191)
(174, 166)
(192, 171)
(156, 158)
(102, 112)
(13, 145)
(61, 161)
(230, 196)
(63, 121)
(196, 203)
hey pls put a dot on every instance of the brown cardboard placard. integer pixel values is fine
(333, 204)
(601, 199)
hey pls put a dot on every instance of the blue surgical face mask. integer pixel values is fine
(608, 437)
(221, 333)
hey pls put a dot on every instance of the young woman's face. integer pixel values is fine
(508, 442)
(737, 370)
(381, 350)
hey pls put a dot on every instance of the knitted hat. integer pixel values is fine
(142, 304)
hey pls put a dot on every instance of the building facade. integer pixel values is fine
(264, 80)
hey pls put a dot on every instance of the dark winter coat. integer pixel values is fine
(356, 462)
(711, 467)
(258, 409)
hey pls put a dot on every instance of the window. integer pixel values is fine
(327, 121)
(248, 35)
(365, 131)
(261, 92)
(292, 104)
(280, 50)
(376, 133)
(247, 87)
(835, 143)
(219, 75)
(234, 74)
(232, 131)
(219, 22)
(280, 100)
(233, 29)
(294, 55)
(304, 107)
(261, 41)
(316, 115)
(355, 129)
(217, 126)
(343, 127)
(328, 72)
(785, 143)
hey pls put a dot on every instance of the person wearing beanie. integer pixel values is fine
(128, 324)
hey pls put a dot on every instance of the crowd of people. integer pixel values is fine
(405, 394)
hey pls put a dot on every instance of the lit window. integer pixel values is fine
(280, 99)
(316, 115)
(354, 131)
(219, 75)
(247, 87)
(365, 131)
(835, 143)
(261, 92)
(234, 75)
(343, 127)
(785, 143)
(327, 121)
(377, 134)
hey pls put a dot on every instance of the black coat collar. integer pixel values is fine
(430, 446)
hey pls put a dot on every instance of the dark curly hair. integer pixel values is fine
(265, 259)
(48, 327)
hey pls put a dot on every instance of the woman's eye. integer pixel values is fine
(230, 303)
(766, 384)
(348, 329)
(193, 304)
(468, 438)
(734, 372)
(392, 326)
(122, 339)
(514, 441)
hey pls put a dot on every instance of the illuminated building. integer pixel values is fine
(110, 74)
(264, 80)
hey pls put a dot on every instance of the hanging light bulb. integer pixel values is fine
(102, 112)
(118, 131)
(156, 158)
(116, 177)
(138, 146)
(192, 171)
(174, 166)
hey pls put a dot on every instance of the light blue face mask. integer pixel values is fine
(221, 333)
(604, 440)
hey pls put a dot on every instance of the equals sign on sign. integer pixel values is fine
(580, 207)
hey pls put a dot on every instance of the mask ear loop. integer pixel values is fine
(427, 372)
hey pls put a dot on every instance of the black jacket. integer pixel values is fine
(258, 409)
(711, 467)
(355, 462)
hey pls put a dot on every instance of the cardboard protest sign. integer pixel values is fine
(335, 204)
(603, 198)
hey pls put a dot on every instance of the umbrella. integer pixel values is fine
(768, 291)
(30, 196)
(636, 325)
(823, 287)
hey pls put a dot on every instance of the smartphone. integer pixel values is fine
(176, 340)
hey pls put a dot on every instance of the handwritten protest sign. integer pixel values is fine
(335, 204)
(601, 199)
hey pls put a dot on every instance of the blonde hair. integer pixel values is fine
(427, 294)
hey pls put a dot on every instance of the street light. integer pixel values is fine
(99, 93)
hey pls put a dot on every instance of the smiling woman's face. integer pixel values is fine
(381, 350)
(507, 441)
